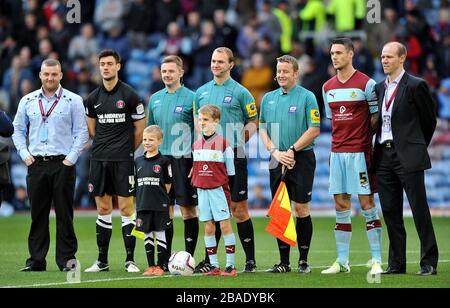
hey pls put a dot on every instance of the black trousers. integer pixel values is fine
(392, 180)
(51, 182)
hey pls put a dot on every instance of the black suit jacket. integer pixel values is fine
(413, 122)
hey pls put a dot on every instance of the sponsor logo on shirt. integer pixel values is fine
(343, 115)
(227, 99)
(332, 94)
(251, 110)
(315, 116)
(293, 109)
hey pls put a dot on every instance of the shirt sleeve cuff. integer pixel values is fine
(24, 154)
(72, 157)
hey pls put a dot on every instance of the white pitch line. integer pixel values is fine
(52, 284)
(16, 253)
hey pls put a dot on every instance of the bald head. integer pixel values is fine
(393, 57)
(401, 49)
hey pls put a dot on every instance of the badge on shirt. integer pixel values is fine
(43, 133)
(227, 99)
(120, 104)
(178, 109)
(315, 116)
(387, 123)
(140, 109)
(251, 110)
(293, 109)
(156, 168)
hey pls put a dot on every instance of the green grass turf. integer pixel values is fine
(14, 251)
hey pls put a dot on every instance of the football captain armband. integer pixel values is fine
(251, 110)
(315, 116)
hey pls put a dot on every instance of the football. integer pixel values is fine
(181, 263)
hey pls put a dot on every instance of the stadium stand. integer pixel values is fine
(146, 30)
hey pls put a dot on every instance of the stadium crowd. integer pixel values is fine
(258, 31)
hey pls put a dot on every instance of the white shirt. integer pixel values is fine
(66, 126)
(386, 131)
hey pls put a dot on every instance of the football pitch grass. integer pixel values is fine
(14, 251)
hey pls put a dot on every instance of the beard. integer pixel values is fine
(50, 88)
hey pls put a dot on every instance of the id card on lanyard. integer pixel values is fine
(387, 117)
(43, 131)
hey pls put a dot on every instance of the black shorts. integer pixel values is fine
(239, 182)
(149, 221)
(299, 180)
(182, 191)
(112, 178)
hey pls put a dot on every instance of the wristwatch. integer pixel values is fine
(292, 148)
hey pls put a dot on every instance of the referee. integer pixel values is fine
(289, 123)
(238, 122)
(116, 120)
(171, 109)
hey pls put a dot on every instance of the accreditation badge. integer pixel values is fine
(387, 123)
(43, 133)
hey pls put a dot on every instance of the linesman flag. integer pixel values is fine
(282, 223)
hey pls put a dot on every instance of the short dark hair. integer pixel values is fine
(109, 52)
(343, 41)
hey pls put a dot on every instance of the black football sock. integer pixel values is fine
(245, 231)
(191, 234)
(150, 248)
(169, 237)
(284, 249)
(103, 230)
(304, 230)
(128, 239)
(162, 249)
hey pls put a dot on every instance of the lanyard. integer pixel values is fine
(391, 99)
(45, 116)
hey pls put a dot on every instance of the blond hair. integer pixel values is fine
(154, 130)
(226, 51)
(289, 59)
(173, 59)
(211, 110)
